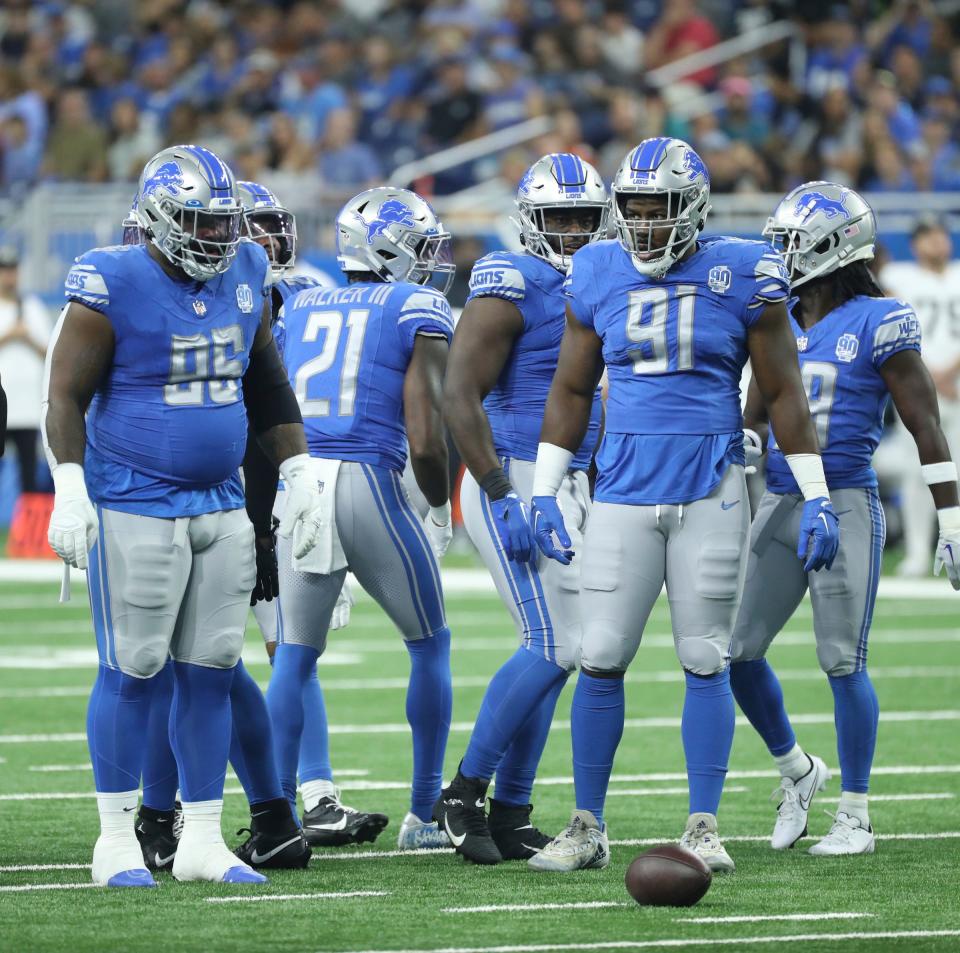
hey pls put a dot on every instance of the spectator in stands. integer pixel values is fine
(24, 334)
(454, 112)
(258, 91)
(221, 74)
(513, 96)
(836, 55)
(346, 164)
(681, 31)
(77, 147)
(890, 172)
(738, 119)
(133, 141)
(286, 149)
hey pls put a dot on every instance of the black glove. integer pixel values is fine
(268, 579)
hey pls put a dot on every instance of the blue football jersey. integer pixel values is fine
(840, 361)
(674, 349)
(346, 351)
(516, 404)
(282, 291)
(167, 427)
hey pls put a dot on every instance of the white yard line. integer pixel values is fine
(643, 792)
(734, 941)
(775, 917)
(22, 888)
(761, 838)
(523, 907)
(941, 796)
(252, 898)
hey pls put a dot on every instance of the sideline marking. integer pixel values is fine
(299, 896)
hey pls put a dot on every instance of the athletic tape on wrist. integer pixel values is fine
(807, 470)
(945, 472)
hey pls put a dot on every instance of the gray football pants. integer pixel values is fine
(842, 597)
(387, 550)
(698, 549)
(162, 587)
(543, 597)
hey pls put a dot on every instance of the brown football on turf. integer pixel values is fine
(668, 876)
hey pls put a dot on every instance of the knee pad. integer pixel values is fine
(145, 657)
(219, 648)
(835, 660)
(605, 651)
(701, 655)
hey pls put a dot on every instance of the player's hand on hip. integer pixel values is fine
(268, 577)
(511, 519)
(547, 522)
(948, 545)
(439, 527)
(302, 513)
(341, 611)
(74, 526)
(819, 535)
(752, 450)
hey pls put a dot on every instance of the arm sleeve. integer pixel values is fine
(260, 478)
(497, 277)
(87, 285)
(765, 282)
(267, 394)
(425, 311)
(897, 330)
(578, 290)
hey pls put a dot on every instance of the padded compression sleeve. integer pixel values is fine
(267, 394)
(259, 485)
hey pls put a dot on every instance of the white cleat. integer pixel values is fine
(421, 835)
(118, 862)
(796, 798)
(847, 836)
(212, 862)
(701, 837)
(581, 845)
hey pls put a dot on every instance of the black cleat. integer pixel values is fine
(332, 824)
(275, 839)
(516, 838)
(155, 832)
(460, 812)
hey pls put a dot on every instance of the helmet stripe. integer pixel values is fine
(218, 175)
(649, 154)
(569, 172)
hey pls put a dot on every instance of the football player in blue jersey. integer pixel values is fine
(674, 318)
(367, 362)
(857, 350)
(326, 822)
(165, 346)
(501, 363)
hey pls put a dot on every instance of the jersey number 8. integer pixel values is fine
(649, 314)
(331, 323)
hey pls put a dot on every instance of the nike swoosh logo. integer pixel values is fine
(823, 516)
(258, 858)
(163, 861)
(338, 826)
(728, 506)
(456, 841)
(260, 814)
(127, 810)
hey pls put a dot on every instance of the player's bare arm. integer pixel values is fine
(422, 392)
(481, 345)
(579, 369)
(915, 398)
(755, 413)
(776, 377)
(77, 362)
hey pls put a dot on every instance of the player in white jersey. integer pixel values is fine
(932, 285)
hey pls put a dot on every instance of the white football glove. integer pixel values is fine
(74, 525)
(752, 450)
(301, 514)
(439, 526)
(948, 545)
(341, 611)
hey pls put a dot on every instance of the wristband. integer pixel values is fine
(807, 469)
(754, 438)
(69, 482)
(949, 519)
(496, 484)
(440, 515)
(945, 472)
(552, 465)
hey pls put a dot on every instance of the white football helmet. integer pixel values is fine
(561, 183)
(188, 206)
(270, 225)
(132, 232)
(672, 169)
(396, 235)
(820, 227)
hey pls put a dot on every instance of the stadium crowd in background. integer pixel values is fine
(340, 94)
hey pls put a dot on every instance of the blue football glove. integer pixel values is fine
(547, 522)
(819, 535)
(512, 522)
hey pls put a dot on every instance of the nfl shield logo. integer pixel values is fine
(244, 298)
(719, 279)
(847, 347)
(199, 308)
(802, 343)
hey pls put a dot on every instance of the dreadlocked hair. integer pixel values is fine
(849, 282)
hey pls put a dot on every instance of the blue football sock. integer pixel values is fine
(514, 693)
(117, 718)
(856, 712)
(160, 780)
(200, 729)
(757, 691)
(315, 739)
(707, 731)
(596, 725)
(518, 767)
(251, 742)
(429, 706)
(293, 665)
